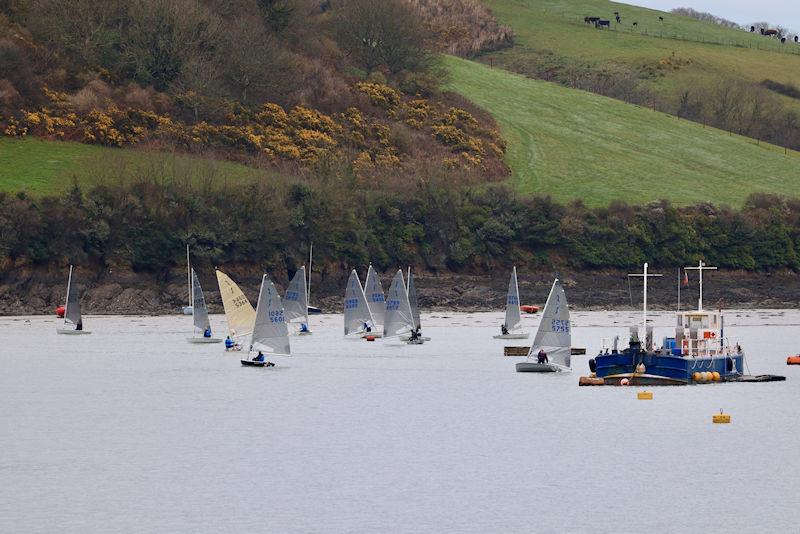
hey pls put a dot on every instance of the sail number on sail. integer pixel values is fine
(392, 305)
(512, 299)
(239, 301)
(294, 296)
(560, 325)
(377, 297)
(276, 316)
(350, 304)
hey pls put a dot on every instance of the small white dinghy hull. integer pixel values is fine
(188, 310)
(520, 335)
(72, 332)
(251, 363)
(534, 367)
(204, 339)
(406, 337)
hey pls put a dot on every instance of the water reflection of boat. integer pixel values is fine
(697, 353)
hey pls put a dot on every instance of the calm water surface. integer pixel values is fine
(132, 429)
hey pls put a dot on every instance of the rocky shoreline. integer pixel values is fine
(33, 292)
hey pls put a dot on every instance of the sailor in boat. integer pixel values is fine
(542, 356)
(207, 332)
(414, 335)
(79, 326)
(503, 329)
(229, 344)
(260, 358)
(303, 328)
(367, 327)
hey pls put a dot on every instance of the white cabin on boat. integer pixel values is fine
(698, 333)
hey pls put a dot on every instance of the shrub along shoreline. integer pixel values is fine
(144, 226)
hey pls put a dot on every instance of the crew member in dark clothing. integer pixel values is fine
(542, 356)
(503, 329)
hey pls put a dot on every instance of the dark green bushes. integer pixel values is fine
(144, 227)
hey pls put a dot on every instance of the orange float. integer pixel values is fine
(793, 360)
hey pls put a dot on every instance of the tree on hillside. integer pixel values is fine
(382, 34)
(162, 37)
(255, 68)
(276, 13)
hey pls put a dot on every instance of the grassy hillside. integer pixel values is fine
(706, 52)
(576, 145)
(40, 167)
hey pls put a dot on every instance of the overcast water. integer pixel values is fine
(132, 429)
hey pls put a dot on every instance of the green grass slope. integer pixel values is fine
(576, 145)
(708, 52)
(42, 167)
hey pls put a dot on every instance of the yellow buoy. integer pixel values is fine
(715, 376)
(721, 418)
(645, 395)
(696, 376)
(706, 376)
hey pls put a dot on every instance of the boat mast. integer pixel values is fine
(645, 275)
(310, 259)
(189, 276)
(701, 266)
(69, 284)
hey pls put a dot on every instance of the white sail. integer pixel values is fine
(199, 309)
(295, 301)
(238, 312)
(554, 333)
(399, 319)
(356, 310)
(412, 300)
(270, 333)
(376, 300)
(72, 311)
(513, 318)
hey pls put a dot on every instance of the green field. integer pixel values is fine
(576, 145)
(706, 52)
(41, 167)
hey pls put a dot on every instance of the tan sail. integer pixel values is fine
(238, 311)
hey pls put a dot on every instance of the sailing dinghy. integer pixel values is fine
(512, 327)
(358, 321)
(200, 315)
(553, 336)
(376, 300)
(295, 302)
(239, 313)
(399, 317)
(413, 302)
(270, 334)
(73, 323)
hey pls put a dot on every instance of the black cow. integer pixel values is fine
(762, 31)
(601, 23)
(591, 20)
(752, 29)
(795, 38)
(619, 20)
(635, 23)
(661, 18)
(771, 33)
(783, 40)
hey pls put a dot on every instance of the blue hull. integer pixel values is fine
(664, 369)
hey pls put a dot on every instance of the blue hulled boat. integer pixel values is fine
(697, 353)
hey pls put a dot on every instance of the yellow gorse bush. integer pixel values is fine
(299, 134)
